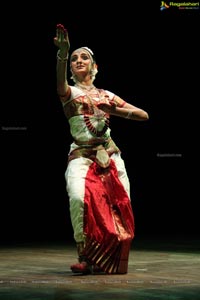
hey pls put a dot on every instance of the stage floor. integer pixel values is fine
(158, 269)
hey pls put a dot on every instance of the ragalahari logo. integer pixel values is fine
(164, 5)
(179, 5)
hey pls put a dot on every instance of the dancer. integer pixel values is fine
(96, 179)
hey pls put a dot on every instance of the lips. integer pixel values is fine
(80, 67)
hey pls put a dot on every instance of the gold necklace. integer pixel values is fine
(98, 114)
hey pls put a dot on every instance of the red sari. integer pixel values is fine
(108, 220)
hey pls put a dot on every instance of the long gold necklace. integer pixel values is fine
(92, 129)
(97, 113)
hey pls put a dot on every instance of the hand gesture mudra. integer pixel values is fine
(62, 40)
(106, 106)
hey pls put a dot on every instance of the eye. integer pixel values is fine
(74, 58)
(84, 56)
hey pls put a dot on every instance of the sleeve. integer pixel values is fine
(72, 94)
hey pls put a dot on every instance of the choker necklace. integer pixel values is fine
(85, 87)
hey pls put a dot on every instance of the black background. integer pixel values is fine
(148, 57)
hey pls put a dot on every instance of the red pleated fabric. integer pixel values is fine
(108, 220)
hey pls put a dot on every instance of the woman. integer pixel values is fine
(96, 178)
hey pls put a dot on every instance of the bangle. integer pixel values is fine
(129, 114)
(62, 58)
